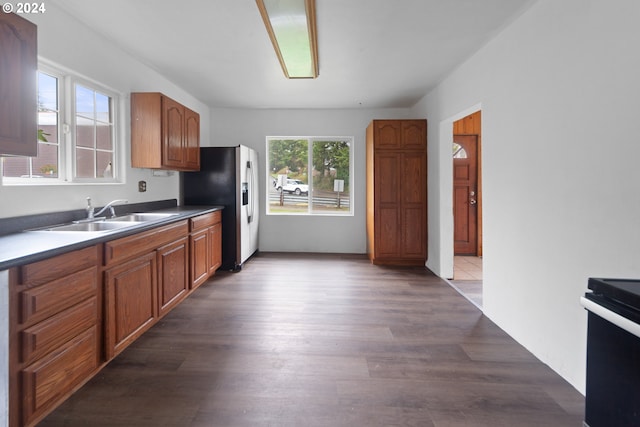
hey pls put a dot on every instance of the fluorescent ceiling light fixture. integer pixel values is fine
(291, 25)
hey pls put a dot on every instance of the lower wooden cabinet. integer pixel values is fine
(55, 335)
(215, 240)
(130, 302)
(205, 244)
(75, 312)
(173, 274)
(199, 247)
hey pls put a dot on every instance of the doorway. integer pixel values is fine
(465, 198)
(467, 207)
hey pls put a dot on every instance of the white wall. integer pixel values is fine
(71, 44)
(559, 96)
(337, 234)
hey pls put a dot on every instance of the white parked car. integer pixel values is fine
(295, 186)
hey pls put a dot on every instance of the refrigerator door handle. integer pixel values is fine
(250, 191)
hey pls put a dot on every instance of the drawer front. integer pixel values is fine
(44, 337)
(53, 268)
(51, 379)
(205, 220)
(44, 301)
(128, 247)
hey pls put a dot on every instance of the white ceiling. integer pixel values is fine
(372, 53)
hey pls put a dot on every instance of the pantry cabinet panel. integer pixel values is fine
(414, 134)
(387, 180)
(397, 192)
(413, 177)
(388, 231)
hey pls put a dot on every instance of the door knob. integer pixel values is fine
(472, 202)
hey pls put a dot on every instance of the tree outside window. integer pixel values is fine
(309, 175)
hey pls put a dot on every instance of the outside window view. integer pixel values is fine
(92, 128)
(94, 142)
(46, 164)
(309, 176)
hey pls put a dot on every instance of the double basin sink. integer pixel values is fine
(103, 225)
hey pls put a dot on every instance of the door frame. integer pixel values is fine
(440, 259)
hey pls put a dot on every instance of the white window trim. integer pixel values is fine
(310, 140)
(71, 86)
(67, 79)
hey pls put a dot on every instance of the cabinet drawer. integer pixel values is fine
(205, 220)
(53, 268)
(50, 379)
(38, 303)
(128, 247)
(52, 333)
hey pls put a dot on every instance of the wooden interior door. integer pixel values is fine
(465, 194)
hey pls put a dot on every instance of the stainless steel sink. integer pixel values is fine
(141, 217)
(90, 226)
(102, 225)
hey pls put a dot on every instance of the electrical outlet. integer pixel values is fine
(142, 186)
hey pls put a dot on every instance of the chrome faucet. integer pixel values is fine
(92, 215)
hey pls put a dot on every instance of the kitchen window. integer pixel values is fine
(309, 175)
(76, 133)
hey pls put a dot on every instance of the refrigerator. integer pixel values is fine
(228, 176)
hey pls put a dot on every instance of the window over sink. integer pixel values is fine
(77, 123)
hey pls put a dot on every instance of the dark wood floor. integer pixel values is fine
(319, 340)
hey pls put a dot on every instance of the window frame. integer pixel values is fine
(67, 80)
(74, 81)
(310, 141)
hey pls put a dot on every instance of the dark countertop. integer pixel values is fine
(30, 246)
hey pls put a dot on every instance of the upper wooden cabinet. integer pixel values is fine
(399, 134)
(164, 133)
(18, 75)
(397, 192)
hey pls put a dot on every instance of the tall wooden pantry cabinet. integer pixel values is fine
(397, 192)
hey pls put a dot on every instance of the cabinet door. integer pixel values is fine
(199, 248)
(413, 196)
(387, 195)
(387, 134)
(192, 140)
(130, 302)
(173, 149)
(414, 134)
(215, 240)
(18, 99)
(173, 274)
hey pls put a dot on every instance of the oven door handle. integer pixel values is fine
(620, 321)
